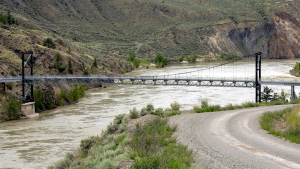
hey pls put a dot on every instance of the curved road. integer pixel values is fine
(233, 139)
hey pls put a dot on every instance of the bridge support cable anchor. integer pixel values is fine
(258, 77)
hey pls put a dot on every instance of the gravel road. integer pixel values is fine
(233, 139)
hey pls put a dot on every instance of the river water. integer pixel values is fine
(38, 143)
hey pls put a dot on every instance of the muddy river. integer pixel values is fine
(38, 143)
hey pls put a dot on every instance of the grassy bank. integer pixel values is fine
(137, 140)
(284, 124)
(206, 107)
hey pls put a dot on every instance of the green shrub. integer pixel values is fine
(123, 71)
(297, 67)
(134, 113)
(95, 64)
(86, 71)
(228, 56)
(49, 43)
(181, 58)
(131, 56)
(57, 63)
(144, 111)
(8, 19)
(154, 136)
(70, 67)
(60, 101)
(175, 106)
(62, 164)
(192, 58)
(86, 144)
(150, 108)
(136, 63)
(107, 163)
(12, 109)
(229, 107)
(39, 99)
(57, 57)
(122, 128)
(12, 73)
(49, 103)
(160, 61)
(118, 119)
(70, 97)
(158, 112)
(204, 103)
(210, 108)
(9, 86)
(249, 104)
(291, 128)
(111, 128)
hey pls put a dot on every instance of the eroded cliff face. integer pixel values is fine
(276, 38)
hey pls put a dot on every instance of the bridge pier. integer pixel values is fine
(28, 110)
(258, 77)
(292, 93)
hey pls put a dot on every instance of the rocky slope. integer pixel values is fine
(17, 39)
(170, 27)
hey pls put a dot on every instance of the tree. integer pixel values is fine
(49, 43)
(136, 63)
(12, 108)
(297, 67)
(70, 67)
(132, 56)
(39, 98)
(282, 96)
(192, 58)
(275, 97)
(86, 72)
(267, 94)
(9, 18)
(57, 57)
(181, 58)
(95, 63)
(3, 19)
(160, 60)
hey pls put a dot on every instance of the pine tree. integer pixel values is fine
(3, 19)
(9, 18)
(70, 67)
(95, 63)
(267, 94)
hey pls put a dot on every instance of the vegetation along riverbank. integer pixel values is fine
(141, 139)
(268, 98)
(283, 124)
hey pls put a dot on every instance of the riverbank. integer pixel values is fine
(140, 140)
(119, 145)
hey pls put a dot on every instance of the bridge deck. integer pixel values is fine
(143, 80)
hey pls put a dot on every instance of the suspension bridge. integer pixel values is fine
(212, 77)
